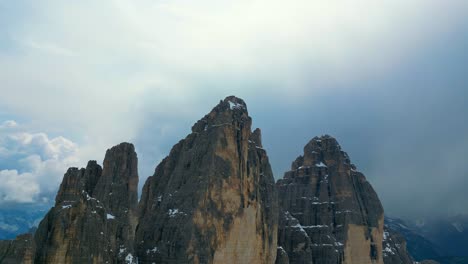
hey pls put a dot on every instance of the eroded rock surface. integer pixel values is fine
(17, 251)
(329, 212)
(94, 217)
(213, 199)
(394, 248)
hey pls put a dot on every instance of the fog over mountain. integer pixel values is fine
(389, 80)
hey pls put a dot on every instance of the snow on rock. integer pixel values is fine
(109, 216)
(154, 250)
(320, 165)
(385, 235)
(129, 258)
(234, 105)
(174, 212)
(388, 249)
(122, 250)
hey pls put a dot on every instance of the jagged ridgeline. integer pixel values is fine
(213, 199)
(329, 212)
(95, 213)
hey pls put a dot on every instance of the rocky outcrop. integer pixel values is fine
(394, 248)
(418, 247)
(94, 217)
(16, 251)
(329, 212)
(213, 199)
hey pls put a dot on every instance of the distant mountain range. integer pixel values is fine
(19, 220)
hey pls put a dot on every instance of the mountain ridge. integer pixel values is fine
(213, 199)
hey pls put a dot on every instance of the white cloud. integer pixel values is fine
(8, 124)
(129, 55)
(33, 164)
(17, 187)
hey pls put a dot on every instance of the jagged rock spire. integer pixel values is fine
(332, 205)
(212, 200)
(94, 217)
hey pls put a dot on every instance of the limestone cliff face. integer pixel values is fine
(329, 213)
(213, 199)
(94, 217)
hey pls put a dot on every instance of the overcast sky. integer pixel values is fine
(388, 79)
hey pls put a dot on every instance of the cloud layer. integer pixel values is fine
(383, 76)
(31, 164)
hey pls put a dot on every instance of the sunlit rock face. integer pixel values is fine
(94, 217)
(329, 213)
(213, 199)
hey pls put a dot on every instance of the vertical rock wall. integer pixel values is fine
(329, 213)
(213, 199)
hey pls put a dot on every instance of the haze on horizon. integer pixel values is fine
(388, 79)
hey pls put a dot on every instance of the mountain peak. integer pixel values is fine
(335, 207)
(212, 200)
(230, 111)
(323, 151)
(235, 103)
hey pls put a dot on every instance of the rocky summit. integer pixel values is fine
(213, 199)
(94, 217)
(329, 212)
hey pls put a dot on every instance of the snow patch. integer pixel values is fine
(154, 250)
(129, 258)
(66, 206)
(316, 226)
(385, 235)
(388, 249)
(320, 165)
(174, 212)
(234, 105)
(109, 216)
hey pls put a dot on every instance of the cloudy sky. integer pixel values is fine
(388, 79)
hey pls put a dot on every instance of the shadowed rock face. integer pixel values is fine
(213, 199)
(329, 213)
(20, 250)
(394, 248)
(94, 217)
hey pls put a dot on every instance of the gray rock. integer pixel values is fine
(394, 248)
(213, 199)
(16, 251)
(94, 218)
(330, 213)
